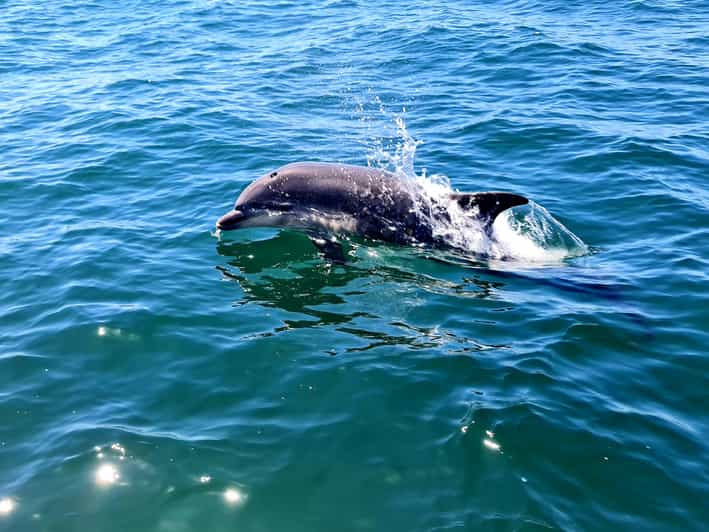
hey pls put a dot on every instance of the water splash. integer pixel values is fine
(528, 234)
(395, 153)
(532, 234)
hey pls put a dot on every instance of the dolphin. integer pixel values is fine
(324, 199)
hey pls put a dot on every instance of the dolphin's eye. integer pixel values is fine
(277, 206)
(271, 206)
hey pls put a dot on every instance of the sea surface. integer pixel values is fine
(158, 375)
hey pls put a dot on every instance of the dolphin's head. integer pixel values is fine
(264, 203)
(306, 195)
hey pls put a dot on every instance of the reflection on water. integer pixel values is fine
(490, 443)
(86, 479)
(286, 272)
(234, 496)
(7, 505)
(107, 474)
(262, 273)
(373, 296)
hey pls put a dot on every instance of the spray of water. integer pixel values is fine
(528, 234)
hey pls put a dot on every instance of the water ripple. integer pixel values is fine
(156, 377)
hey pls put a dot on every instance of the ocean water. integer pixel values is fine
(157, 375)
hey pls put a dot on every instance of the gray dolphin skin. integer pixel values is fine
(328, 198)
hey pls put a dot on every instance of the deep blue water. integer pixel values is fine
(158, 375)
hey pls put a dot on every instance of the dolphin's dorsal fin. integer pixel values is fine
(488, 204)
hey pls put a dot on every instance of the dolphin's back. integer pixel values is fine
(342, 187)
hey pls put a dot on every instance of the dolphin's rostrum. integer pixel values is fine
(326, 199)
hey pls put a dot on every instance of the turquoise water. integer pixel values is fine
(156, 375)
